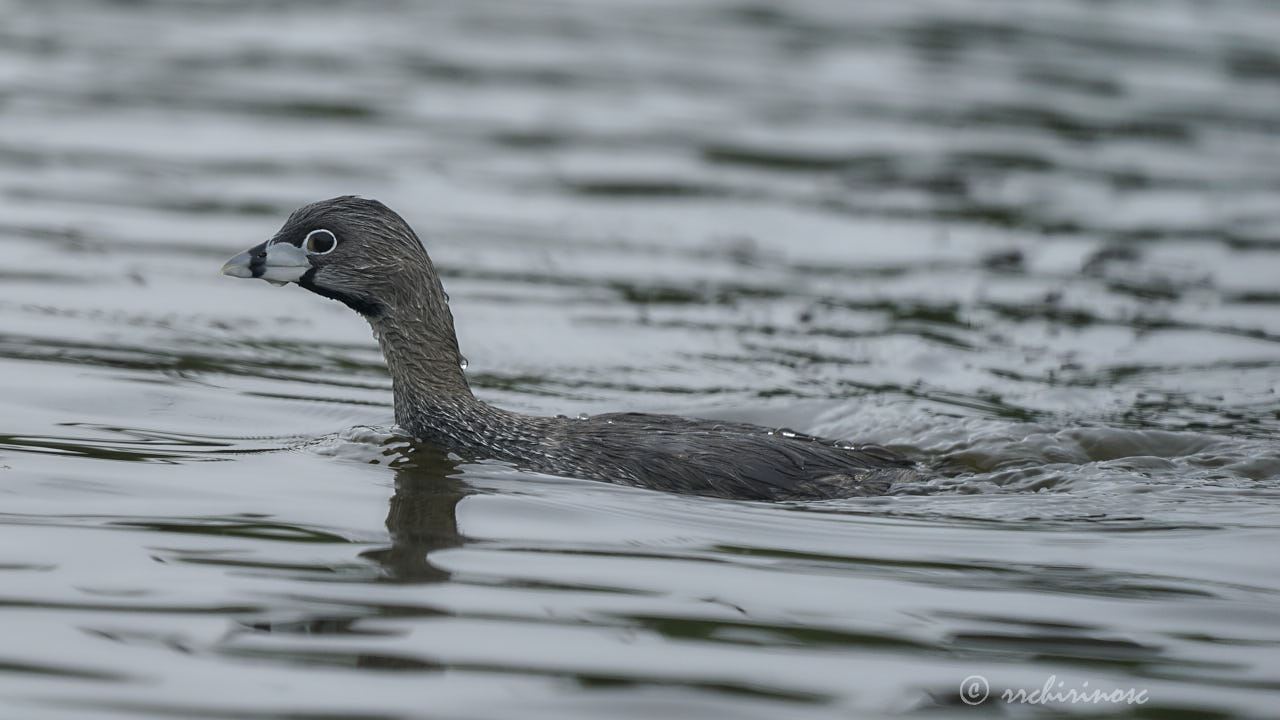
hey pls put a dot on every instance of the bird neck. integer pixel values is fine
(433, 401)
(422, 354)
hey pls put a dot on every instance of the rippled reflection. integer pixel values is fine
(422, 518)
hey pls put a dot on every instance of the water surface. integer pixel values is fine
(1034, 244)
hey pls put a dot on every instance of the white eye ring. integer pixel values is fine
(320, 242)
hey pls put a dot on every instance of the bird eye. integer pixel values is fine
(319, 242)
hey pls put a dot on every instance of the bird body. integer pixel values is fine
(363, 254)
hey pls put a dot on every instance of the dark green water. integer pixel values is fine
(1035, 244)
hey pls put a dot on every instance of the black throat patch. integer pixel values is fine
(367, 309)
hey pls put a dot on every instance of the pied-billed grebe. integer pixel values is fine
(363, 254)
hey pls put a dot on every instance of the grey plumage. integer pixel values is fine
(380, 269)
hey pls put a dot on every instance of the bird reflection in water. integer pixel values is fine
(421, 519)
(423, 515)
